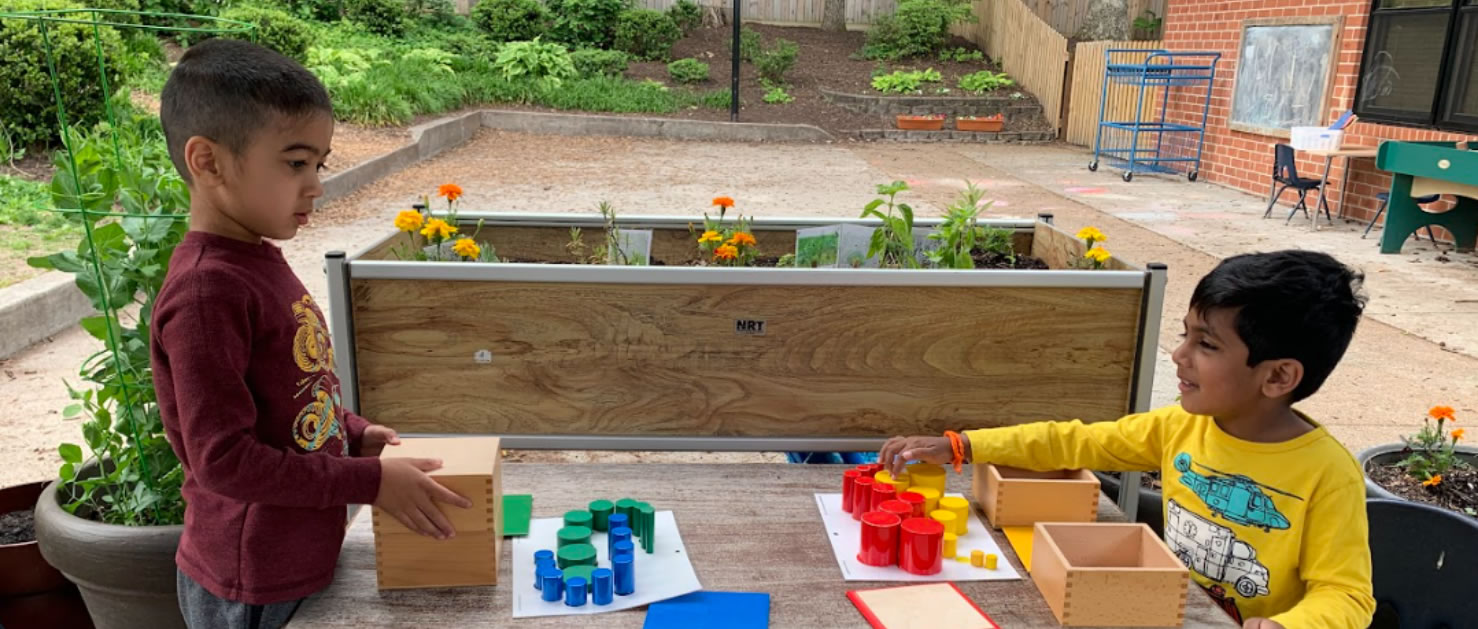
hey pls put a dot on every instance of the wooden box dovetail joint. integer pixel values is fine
(1108, 575)
(1016, 497)
(471, 467)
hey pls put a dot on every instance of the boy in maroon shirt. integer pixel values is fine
(242, 363)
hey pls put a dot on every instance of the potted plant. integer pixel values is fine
(1427, 467)
(32, 592)
(920, 122)
(991, 124)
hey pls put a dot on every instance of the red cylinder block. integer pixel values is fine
(916, 502)
(880, 494)
(862, 496)
(879, 546)
(849, 483)
(920, 546)
(899, 508)
(870, 469)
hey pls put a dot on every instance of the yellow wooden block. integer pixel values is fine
(927, 475)
(977, 558)
(931, 497)
(899, 484)
(990, 562)
(961, 508)
(951, 541)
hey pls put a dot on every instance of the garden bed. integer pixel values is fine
(1457, 492)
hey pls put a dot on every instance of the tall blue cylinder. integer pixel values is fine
(625, 574)
(575, 592)
(603, 586)
(552, 580)
(616, 536)
(620, 548)
(618, 520)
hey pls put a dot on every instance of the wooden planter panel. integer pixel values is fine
(1108, 575)
(1016, 497)
(471, 467)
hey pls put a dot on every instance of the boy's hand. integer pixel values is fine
(407, 494)
(375, 438)
(1261, 623)
(898, 451)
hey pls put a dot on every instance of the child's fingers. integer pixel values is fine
(416, 521)
(441, 527)
(440, 493)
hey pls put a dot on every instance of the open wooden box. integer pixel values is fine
(1017, 497)
(1108, 575)
(471, 467)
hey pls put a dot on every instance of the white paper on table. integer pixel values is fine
(666, 573)
(846, 536)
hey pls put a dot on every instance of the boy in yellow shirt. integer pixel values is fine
(1262, 504)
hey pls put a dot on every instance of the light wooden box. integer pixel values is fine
(472, 467)
(1108, 575)
(1016, 497)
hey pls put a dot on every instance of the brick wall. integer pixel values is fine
(1245, 160)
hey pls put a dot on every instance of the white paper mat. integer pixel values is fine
(664, 574)
(846, 534)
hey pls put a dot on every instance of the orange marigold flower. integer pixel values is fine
(438, 229)
(726, 252)
(1458, 434)
(1442, 412)
(723, 202)
(741, 239)
(467, 248)
(409, 220)
(710, 236)
(449, 190)
(1434, 481)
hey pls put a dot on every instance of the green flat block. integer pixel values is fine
(518, 509)
(571, 535)
(575, 555)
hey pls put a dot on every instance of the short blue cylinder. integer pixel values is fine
(575, 592)
(625, 574)
(552, 583)
(541, 555)
(603, 586)
(619, 520)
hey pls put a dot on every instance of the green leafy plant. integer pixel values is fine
(960, 233)
(1433, 449)
(589, 23)
(751, 44)
(777, 60)
(511, 20)
(894, 240)
(776, 95)
(535, 59)
(900, 82)
(961, 55)
(610, 250)
(385, 17)
(985, 81)
(26, 99)
(319, 10)
(686, 14)
(590, 62)
(276, 29)
(646, 34)
(1147, 25)
(688, 71)
(917, 28)
(786, 261)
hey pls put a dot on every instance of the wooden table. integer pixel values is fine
(747, 527)
(1344, 182)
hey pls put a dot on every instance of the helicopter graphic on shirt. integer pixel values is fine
(1233, 497)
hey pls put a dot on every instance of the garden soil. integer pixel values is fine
(1458, 490)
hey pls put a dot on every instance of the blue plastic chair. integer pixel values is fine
(822, 458)
(1385, 199)
(1424, 564)
(1285, 171)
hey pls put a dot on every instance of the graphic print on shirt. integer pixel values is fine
(1214, 552)
(1233, 497)
(319, 420)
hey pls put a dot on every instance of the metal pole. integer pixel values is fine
(341, 328)
(734, 68)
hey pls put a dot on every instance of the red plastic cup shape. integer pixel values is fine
(849, 483)
(868, 469)
(879, 545)
(862, 496)
(880, 494)
(916, 501)
(899, 508)
(920, 546)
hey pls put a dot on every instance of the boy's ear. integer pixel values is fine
(204, 159)
(1281, 377)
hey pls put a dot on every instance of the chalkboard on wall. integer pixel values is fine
(1284, 74)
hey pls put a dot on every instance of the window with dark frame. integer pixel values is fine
(1420, 65)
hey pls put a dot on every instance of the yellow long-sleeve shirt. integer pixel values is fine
(1275, 530)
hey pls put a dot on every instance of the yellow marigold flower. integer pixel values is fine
(1442, 412)
(1458, 434)
(741, 239)
(1434, 481)
(466, 248)
(408, 220)
(723, 202)
(1098, 254)
(438, 229)
(449, 190)
(710, 236)
(1091, 233)
(726, 252)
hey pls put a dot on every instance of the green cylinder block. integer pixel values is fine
(600, 512)
(571, 535)
(579, 571)
(627, 507)
(579, 518)
(575, 555)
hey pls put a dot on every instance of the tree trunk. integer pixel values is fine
(1107, 19)
(834, 16)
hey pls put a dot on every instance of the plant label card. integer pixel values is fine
(664, 574)
(845, 535)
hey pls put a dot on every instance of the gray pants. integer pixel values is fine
(204, 610)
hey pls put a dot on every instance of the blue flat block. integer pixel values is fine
(711, 610)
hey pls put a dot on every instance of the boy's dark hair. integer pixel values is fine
(1288, 304)
(226, 89)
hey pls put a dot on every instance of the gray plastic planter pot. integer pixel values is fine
(1388, 453)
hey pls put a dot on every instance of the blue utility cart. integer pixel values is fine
(1190, 75)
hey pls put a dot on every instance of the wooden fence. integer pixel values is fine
(1065, 16)
(1031, 51)
(1086, 79)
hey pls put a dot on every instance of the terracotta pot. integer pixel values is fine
(32, 593)
(918, 123)
(980, 124)
(1388, 453)
(125, 573)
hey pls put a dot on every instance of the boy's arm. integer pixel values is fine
(354, 427)
(206, 337)
(1334, 564)
(1128, 444)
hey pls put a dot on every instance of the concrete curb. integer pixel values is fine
(36, 309)
(580, 124)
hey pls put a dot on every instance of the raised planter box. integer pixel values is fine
(920, 123)
(989, 124)
(1016, 497)
(677, 357)
(1108, 575)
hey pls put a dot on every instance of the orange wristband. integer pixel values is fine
(957, 447)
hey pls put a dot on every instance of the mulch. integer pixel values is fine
(1457, 492)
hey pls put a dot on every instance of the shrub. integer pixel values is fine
(534, 60)
(275, 29)
(321, 10)
(688, 71)
(751, 44)
(385, 17)
(961, 55)
(686, 14)
(901, 82)
(917, 28)
(585, 23)
(775, 62)
(472, 45)
(646, 34)
(511, 20)
(590, 62)
(985, 81)
(776, 95)
(28, 102)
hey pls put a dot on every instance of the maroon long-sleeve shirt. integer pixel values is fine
(245, 378)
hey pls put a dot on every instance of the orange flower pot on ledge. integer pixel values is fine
(992, 124)
(921, 123)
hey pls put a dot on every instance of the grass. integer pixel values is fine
(28, 228)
